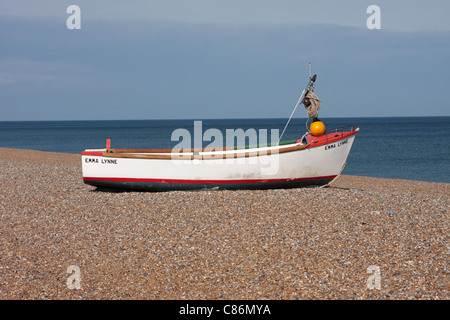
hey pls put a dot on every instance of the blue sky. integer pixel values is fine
(202, 59)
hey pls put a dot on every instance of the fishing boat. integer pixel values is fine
(315, 159)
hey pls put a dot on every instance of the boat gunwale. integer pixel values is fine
(194, 156)
(208, 153)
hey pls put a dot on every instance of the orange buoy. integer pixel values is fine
(317, 128)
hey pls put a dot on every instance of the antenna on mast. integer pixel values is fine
(309, 64)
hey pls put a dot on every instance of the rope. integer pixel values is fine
(306, 125)
(298, 102)
(326, 185)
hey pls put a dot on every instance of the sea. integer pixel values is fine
(412, 148)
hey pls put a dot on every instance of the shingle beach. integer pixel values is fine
(308, 243)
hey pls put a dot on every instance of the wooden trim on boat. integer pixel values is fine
(118, 150)
(184, 156)
(168, 150)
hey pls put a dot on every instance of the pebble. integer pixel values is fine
(306, 243)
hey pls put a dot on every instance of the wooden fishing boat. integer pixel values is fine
(312, 160)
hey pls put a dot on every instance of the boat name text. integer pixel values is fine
(95, 160)
(340, 143)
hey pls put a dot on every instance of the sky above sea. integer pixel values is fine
(203, 59)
